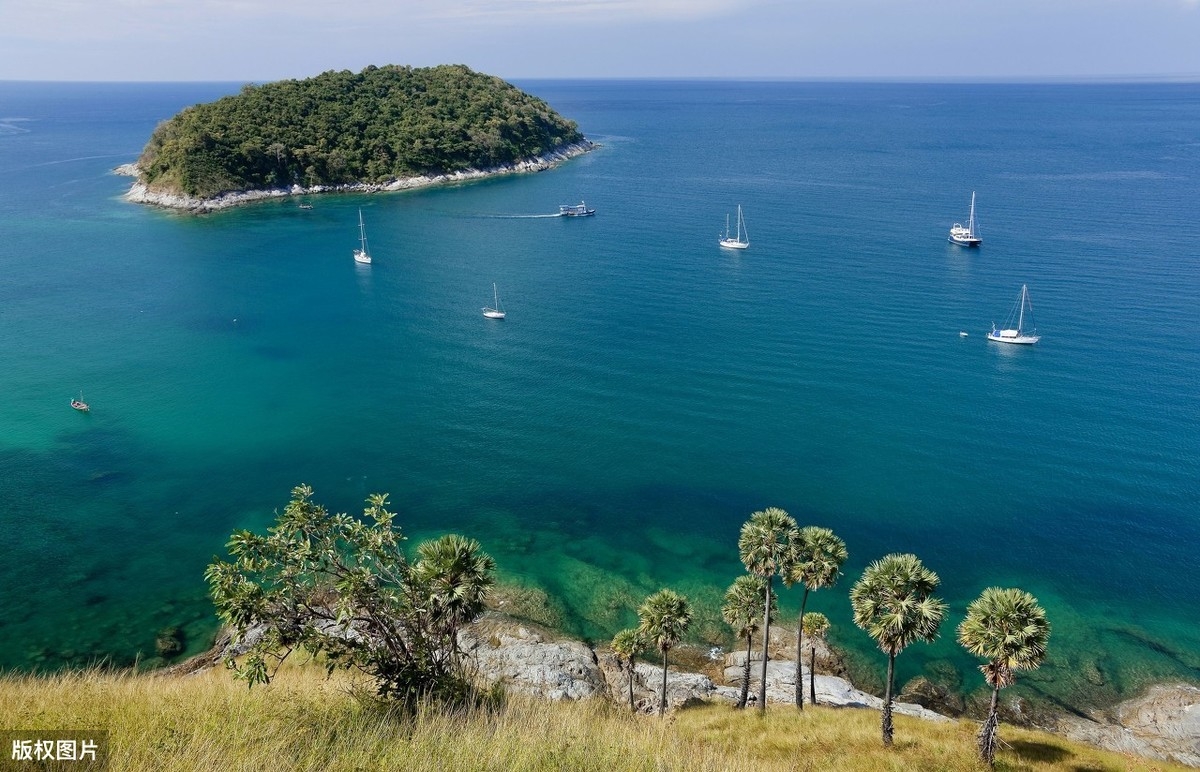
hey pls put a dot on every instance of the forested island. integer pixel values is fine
(384, 127)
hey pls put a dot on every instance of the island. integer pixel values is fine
(384, 128)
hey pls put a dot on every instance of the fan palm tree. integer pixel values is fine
(740, 610)
(893, 602)
(1009, 629)
(626, 645)
(663, 619)
(816, 625)
(456, 576)
(763, 546)
(815, 561)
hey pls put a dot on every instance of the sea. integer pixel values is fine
(648, 390)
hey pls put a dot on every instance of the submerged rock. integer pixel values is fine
(1162, 724)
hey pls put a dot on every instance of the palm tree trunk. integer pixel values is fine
(662, 702)
(762, 685)
(746, 672)
(812, 677)
(799, 650)
(885, 723)
(632, 708)
(987, 732)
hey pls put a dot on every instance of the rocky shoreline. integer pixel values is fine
(141, 193)
(529, 659)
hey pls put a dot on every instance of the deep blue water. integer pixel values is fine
(648, 391)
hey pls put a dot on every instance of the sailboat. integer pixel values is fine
(966, 237)
(1016, 334)
(495, 312)
(80, 405)
(742, 239)
(361, 255)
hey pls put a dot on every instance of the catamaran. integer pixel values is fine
(361, 255)
(966, 236)
(742, 239)
(1010, 334)
(495, 312)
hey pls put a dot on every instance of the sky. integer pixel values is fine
(261, 40)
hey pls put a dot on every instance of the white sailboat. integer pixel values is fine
(495, 312)
(742, 239)
(1011, 334)
(361, 255)
(966, 236)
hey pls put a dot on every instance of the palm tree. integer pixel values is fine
(816, 561)
(626, 645)
(894, 603)
(1009, 629)
(662, 619)
(763, 545)
(816, 625)
(456, 576)
(740, 610)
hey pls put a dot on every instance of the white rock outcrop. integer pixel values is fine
(143, 194)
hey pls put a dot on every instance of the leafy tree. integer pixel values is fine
(816, 559)
(626, 645)
(816, 625)
(342, 587)
(662, 620)
(764, 547)
(741, 611)
(893, 602)
(1008, 628)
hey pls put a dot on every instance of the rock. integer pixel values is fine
(143, 194)
(832, 691)
(935, 696)
(1162, 724)
(526, 660)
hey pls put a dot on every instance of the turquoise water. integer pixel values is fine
(648, 391)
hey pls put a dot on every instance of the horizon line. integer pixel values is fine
(1109, 79)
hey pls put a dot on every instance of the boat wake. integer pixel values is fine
(521, 216)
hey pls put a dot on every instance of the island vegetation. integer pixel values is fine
(340, 127)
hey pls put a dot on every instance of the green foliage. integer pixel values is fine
(663, 618)
(816, 559)
(342, 587)
(626, 645)
(377, 125)
(764, 541)
(765, 547)
(893, 602)
(742, 609)
(815, 624)
(1009, 629)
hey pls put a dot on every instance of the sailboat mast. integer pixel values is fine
(971, 221)
(1021, 315)
(739, 225)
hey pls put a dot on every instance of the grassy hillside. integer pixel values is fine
(304, 721)
(377, 125)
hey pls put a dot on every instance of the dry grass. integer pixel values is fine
(304, 721)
